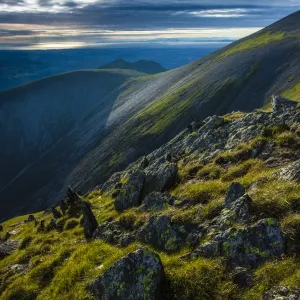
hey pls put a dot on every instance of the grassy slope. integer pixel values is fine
(60, 264)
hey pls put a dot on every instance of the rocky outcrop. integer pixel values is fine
(157, 201)
(137, 276)
(163, 234)
(131, 193)
(281, 105)
(8, 247)
(90, 223)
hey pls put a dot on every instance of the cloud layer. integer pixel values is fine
(38, 23)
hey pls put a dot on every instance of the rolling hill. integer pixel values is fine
(137, 115)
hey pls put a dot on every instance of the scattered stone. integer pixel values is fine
(41, 227)
(89, 221)
(282, 293)
(18, 268)
(160, 232)
(242, 277)
(131, 193)
(157, 201)
(137, 276)
(8, 247)
(280, 104)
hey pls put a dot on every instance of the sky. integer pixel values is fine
(56, 24)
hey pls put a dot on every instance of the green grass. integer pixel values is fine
(256, 42)
(293, 93)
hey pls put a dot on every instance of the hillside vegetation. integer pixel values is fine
(219, 204)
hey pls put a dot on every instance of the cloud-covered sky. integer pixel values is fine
(42, 24)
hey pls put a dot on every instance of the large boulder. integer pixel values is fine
(8, 247)
(131, 193)
(137, 276)
(281, 105)
(235, 191)
(90, 223)
(160, 177)
(163, 234)
(156, 201)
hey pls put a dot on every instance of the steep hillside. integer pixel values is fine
(148, 111)
(213, 214)
(144, 66)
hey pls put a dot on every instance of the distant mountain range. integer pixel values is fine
(79, 128)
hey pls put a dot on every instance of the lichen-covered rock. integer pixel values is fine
(254, 245)
(235, 191)
(282, 293)
(160, 177)
(207, 250)
(290, 173)
(110, 184)
(157, 201)
(213, 122)
(237, 212)
(131, 193)
(8, 247)
(162, 233)
(280, 104)
(137, 276)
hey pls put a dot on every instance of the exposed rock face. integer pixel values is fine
(131, 193)
(157, 201)
(280, 104)
(163, 234)
(160, 177)
(8, 247)
(137, 276)
(291, 172)
(282, 293)
(213, 122)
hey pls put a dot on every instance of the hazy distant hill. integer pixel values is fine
(144, 66)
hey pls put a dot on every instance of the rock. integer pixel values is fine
(113, 233)
(290, 173)
(1, 228)
(157, 201)
(73, 197)
(52, 224)
(236, 191)
(160, 177)
(242, 277)
(207, 250)
(237, 212)
(252, 246)
(41, 227)
(280, 104)
(282, 293)
(160, 232)
(18, 268)
(144, 163)
(109, 185)
(30, 218)
(56, 213)
(213, 122)
(137, 276)
(131, 193)
(63, 206)
(89, 221)
(8, 247)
